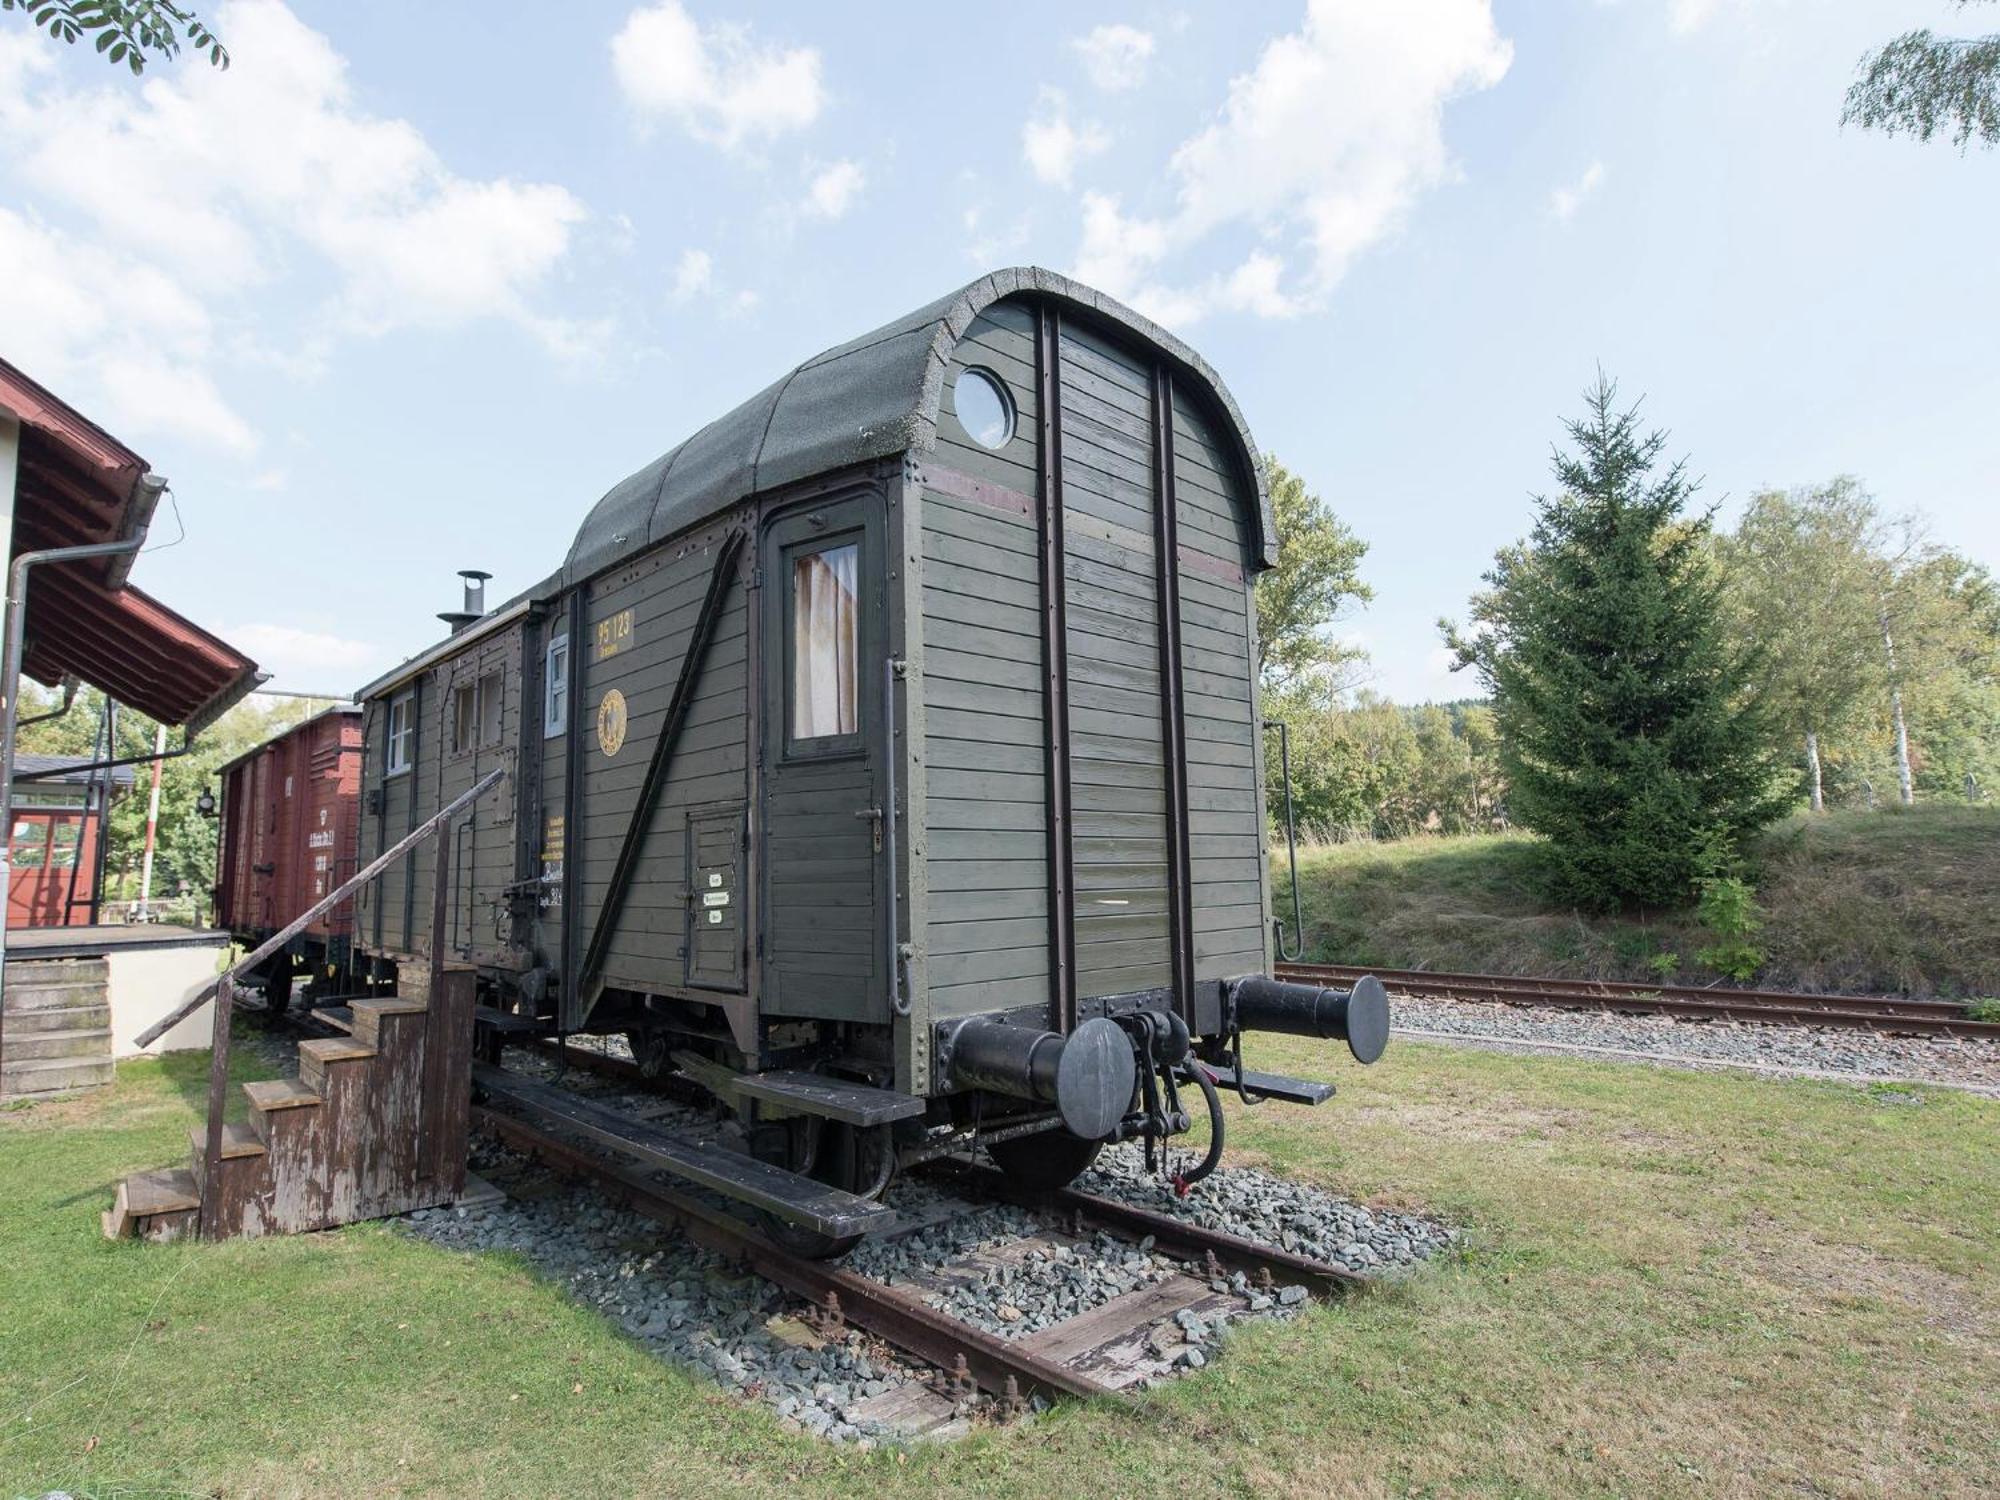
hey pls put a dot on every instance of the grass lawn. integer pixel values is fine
(1895, 900)
(1672, 1283)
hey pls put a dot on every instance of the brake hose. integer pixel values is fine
(1205, 1081)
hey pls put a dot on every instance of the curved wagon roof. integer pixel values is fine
(871, 397)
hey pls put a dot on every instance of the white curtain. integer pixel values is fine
(825, 637)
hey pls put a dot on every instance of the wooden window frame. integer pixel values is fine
(825, 746)
(397, 758)
(555, 688)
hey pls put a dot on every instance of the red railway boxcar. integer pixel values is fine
(290, 817)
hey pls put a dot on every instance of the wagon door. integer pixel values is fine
(822, 802)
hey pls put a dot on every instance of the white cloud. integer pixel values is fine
(303, 660)
(1566, 199)
(203, 179)
(1318, 153)
(113, 334)
(695, 281)
(693, 275)
(987, 246)
(1685, 16)
(721, 85)
(834, 189)
(1116, 56)
(1053, 146)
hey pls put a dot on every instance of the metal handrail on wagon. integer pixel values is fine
(223, 990)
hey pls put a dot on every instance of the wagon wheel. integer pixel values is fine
(650, 1049)
(855, 1159)
(1045, 1161)
(277, 988)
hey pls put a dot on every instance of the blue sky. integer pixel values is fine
(408, 287)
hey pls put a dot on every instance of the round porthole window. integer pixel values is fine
(985, 410)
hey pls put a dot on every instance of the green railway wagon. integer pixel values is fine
(886, 760)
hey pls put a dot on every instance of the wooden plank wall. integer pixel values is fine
(987, 937)
(663, 589)
(987, 933)
(1117, 753)
(483, 847)
(1218, 667)
(482, 844)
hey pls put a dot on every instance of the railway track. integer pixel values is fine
(1780, 1007)
(1103, 1351)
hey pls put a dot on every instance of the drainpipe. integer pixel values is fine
(12, 649)
(152, 824)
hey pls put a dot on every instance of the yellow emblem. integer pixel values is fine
(611, 722)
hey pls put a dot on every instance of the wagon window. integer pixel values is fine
(402, 734)
(825, 641)
(464, 718)
(984, 408)
(62, 853)
(555, 695)
(492, 704)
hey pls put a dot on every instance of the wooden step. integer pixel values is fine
(280, 1093)
(237, 1141)
(51, 1075)
(158, 1192)
(381, 1022)
(80, 1045)
(324, 1052)
(339, 1017)
(391, 1005)
(158, 1205)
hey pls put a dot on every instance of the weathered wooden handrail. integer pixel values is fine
(224, 988)
(265, 950)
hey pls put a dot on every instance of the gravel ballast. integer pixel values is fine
(1863, 1054)
(998, 1267)
(1277, 1211)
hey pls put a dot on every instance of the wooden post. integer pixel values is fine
(209, 1226)
(429, 1139)
(451, 1107)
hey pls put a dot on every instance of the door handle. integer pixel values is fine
(874, 815)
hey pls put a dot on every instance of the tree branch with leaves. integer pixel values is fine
(132, 32)
(1928, 84)
(1318, 578)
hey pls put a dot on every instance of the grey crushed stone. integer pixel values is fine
(683, 1304)
(1273, 1210)
(1940, 1059)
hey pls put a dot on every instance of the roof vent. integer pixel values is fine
(475, 601)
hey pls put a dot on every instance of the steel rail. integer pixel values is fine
(996, 1365)
(1178, 1237)
(891, 1314)
(1869, 1012)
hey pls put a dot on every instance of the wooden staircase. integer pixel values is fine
(374, 1124)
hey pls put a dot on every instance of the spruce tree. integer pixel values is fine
(1628, 732)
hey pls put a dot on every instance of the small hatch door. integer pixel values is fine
(714, 947)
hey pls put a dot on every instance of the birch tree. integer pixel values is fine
(1804, 583)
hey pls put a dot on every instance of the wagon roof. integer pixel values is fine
(869, 398)
(342, 710)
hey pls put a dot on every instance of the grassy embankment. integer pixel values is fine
(1672, 1284)
(1889, 901)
